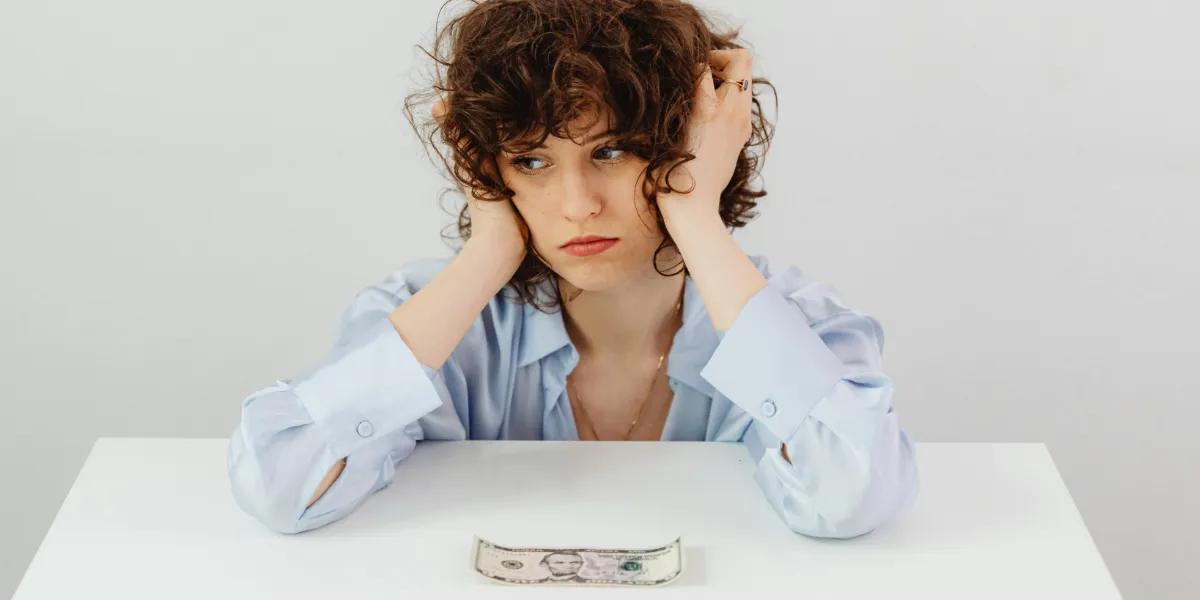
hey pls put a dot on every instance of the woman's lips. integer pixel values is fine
(590, 247)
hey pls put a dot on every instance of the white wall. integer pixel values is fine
(192, 192)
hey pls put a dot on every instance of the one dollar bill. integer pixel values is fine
(578, 566)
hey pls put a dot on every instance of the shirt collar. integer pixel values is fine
(543, 334)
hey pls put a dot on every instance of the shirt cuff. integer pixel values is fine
(371, 387)
(772, 364)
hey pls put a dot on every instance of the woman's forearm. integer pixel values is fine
(724, 275)
(437, 317)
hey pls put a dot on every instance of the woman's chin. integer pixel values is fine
(594, 277)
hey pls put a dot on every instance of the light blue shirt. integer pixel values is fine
(797, 366)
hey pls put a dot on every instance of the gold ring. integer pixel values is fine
(743, 84)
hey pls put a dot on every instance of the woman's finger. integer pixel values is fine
(734, 65)
(720, 59)
(706, 90)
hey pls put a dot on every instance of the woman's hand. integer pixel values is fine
(720, 128)
(433, 322)
(495, 224)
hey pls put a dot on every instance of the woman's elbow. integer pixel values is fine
(887, 488)
(267, 503)
(272, 516)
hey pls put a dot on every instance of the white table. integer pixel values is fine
(154, 519)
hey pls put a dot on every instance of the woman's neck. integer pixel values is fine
(633, 319)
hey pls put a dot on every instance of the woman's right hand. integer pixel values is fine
(495, 224)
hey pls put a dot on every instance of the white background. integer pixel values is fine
(192, 192)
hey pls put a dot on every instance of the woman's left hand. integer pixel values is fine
(720, 128)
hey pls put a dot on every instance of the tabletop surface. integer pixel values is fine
(154, 518)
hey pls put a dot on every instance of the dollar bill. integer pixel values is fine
(578, 566)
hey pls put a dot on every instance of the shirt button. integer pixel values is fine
(364, 429)
(768, 408)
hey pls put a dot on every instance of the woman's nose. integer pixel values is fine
(581, 198)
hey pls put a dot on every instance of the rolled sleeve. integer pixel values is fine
(370, 387)
(773, 365)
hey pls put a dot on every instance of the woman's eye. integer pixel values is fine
(532, 164)
(523, 163)
(609, 153)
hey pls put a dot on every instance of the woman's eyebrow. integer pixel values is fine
(589, 139)
(512, 146)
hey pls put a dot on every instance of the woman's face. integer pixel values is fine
(566, 191)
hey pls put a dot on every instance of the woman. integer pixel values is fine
(608, 148)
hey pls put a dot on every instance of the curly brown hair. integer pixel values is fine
(513, 72)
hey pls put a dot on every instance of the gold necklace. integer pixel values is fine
(645, 401)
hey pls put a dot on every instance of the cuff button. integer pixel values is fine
(364, 429)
